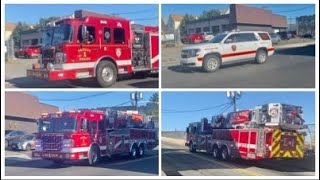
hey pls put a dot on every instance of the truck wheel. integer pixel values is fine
(225, 154)
(191, 148)
(261, 56)
(211, 63)
(106, 73)
(94, 156)
(133, 152)
(140, 151)
(216, 152)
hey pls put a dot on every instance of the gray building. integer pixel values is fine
(31, 37)
(240, 17)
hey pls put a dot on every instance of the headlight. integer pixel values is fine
(193, 52)
(67, 144)
(38, 145)
(50, 66)
(60, 57)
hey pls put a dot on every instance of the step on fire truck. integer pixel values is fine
(98, 46)
(269, 131)
(91, 134)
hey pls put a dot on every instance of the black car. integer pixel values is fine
(11, 135)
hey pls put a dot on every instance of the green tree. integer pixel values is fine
(16, 34)
(186, 19)
(209, 14)
(154, 98)
(43, 22)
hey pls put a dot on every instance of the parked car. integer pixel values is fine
(284, 35)
(307, 36)
(275, 38)
(192, 38)
(11, 135)
(226, 48)
(28, 52)
(25, 143)
(207, 36)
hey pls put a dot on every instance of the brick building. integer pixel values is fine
(240, 17)
(22, 111)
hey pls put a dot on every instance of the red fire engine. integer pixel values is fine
(93, 45)
(269, 131)
(91, 134)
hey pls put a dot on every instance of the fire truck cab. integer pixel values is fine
(93, 45)
(91, 134)
(269, 131)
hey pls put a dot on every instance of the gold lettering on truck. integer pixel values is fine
(84, 54)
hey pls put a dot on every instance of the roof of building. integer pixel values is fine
(20, 104)
(10, 26)
(176, 17)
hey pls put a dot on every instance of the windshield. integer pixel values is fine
(58, 124)
(62, 33)
(47, 37)
(218, 38)
(27, 137)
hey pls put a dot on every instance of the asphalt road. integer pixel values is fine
(22, 165)
(178, 161)
(287, 68)
(15, 77)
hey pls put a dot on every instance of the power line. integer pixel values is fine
(223, 110)
(120, 104)
(144, 19)
(197, 110)
(306, 7)
(75, 99)
(132, 12)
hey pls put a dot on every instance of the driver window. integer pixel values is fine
(231, 39)
(90, 36)
(107, 35)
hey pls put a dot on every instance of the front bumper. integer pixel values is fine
(192, 61)
(57, 155)
(52, 75)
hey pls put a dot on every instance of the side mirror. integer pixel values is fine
(84, 124)
(83, 32)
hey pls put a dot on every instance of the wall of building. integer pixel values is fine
(30, 38)
(22, 111)
(254, 28)
(212, 25)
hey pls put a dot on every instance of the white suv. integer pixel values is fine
(226, 48)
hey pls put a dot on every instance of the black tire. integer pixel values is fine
(225, 154)
(141, 151)
(94, 156)
(216, 153)
(134, 151)
(211, 63)
(261, 56)
(28, 147)
(106, 73)
(192, 148)
(6, 144)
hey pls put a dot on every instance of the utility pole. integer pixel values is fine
(234, 96)
(135, 97)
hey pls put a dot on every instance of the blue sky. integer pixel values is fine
(200, 100)
(146, 14)
(289, 10)
(108, 99)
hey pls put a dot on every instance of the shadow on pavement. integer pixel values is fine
(173, 160)
(302, 51)
(147, 164)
